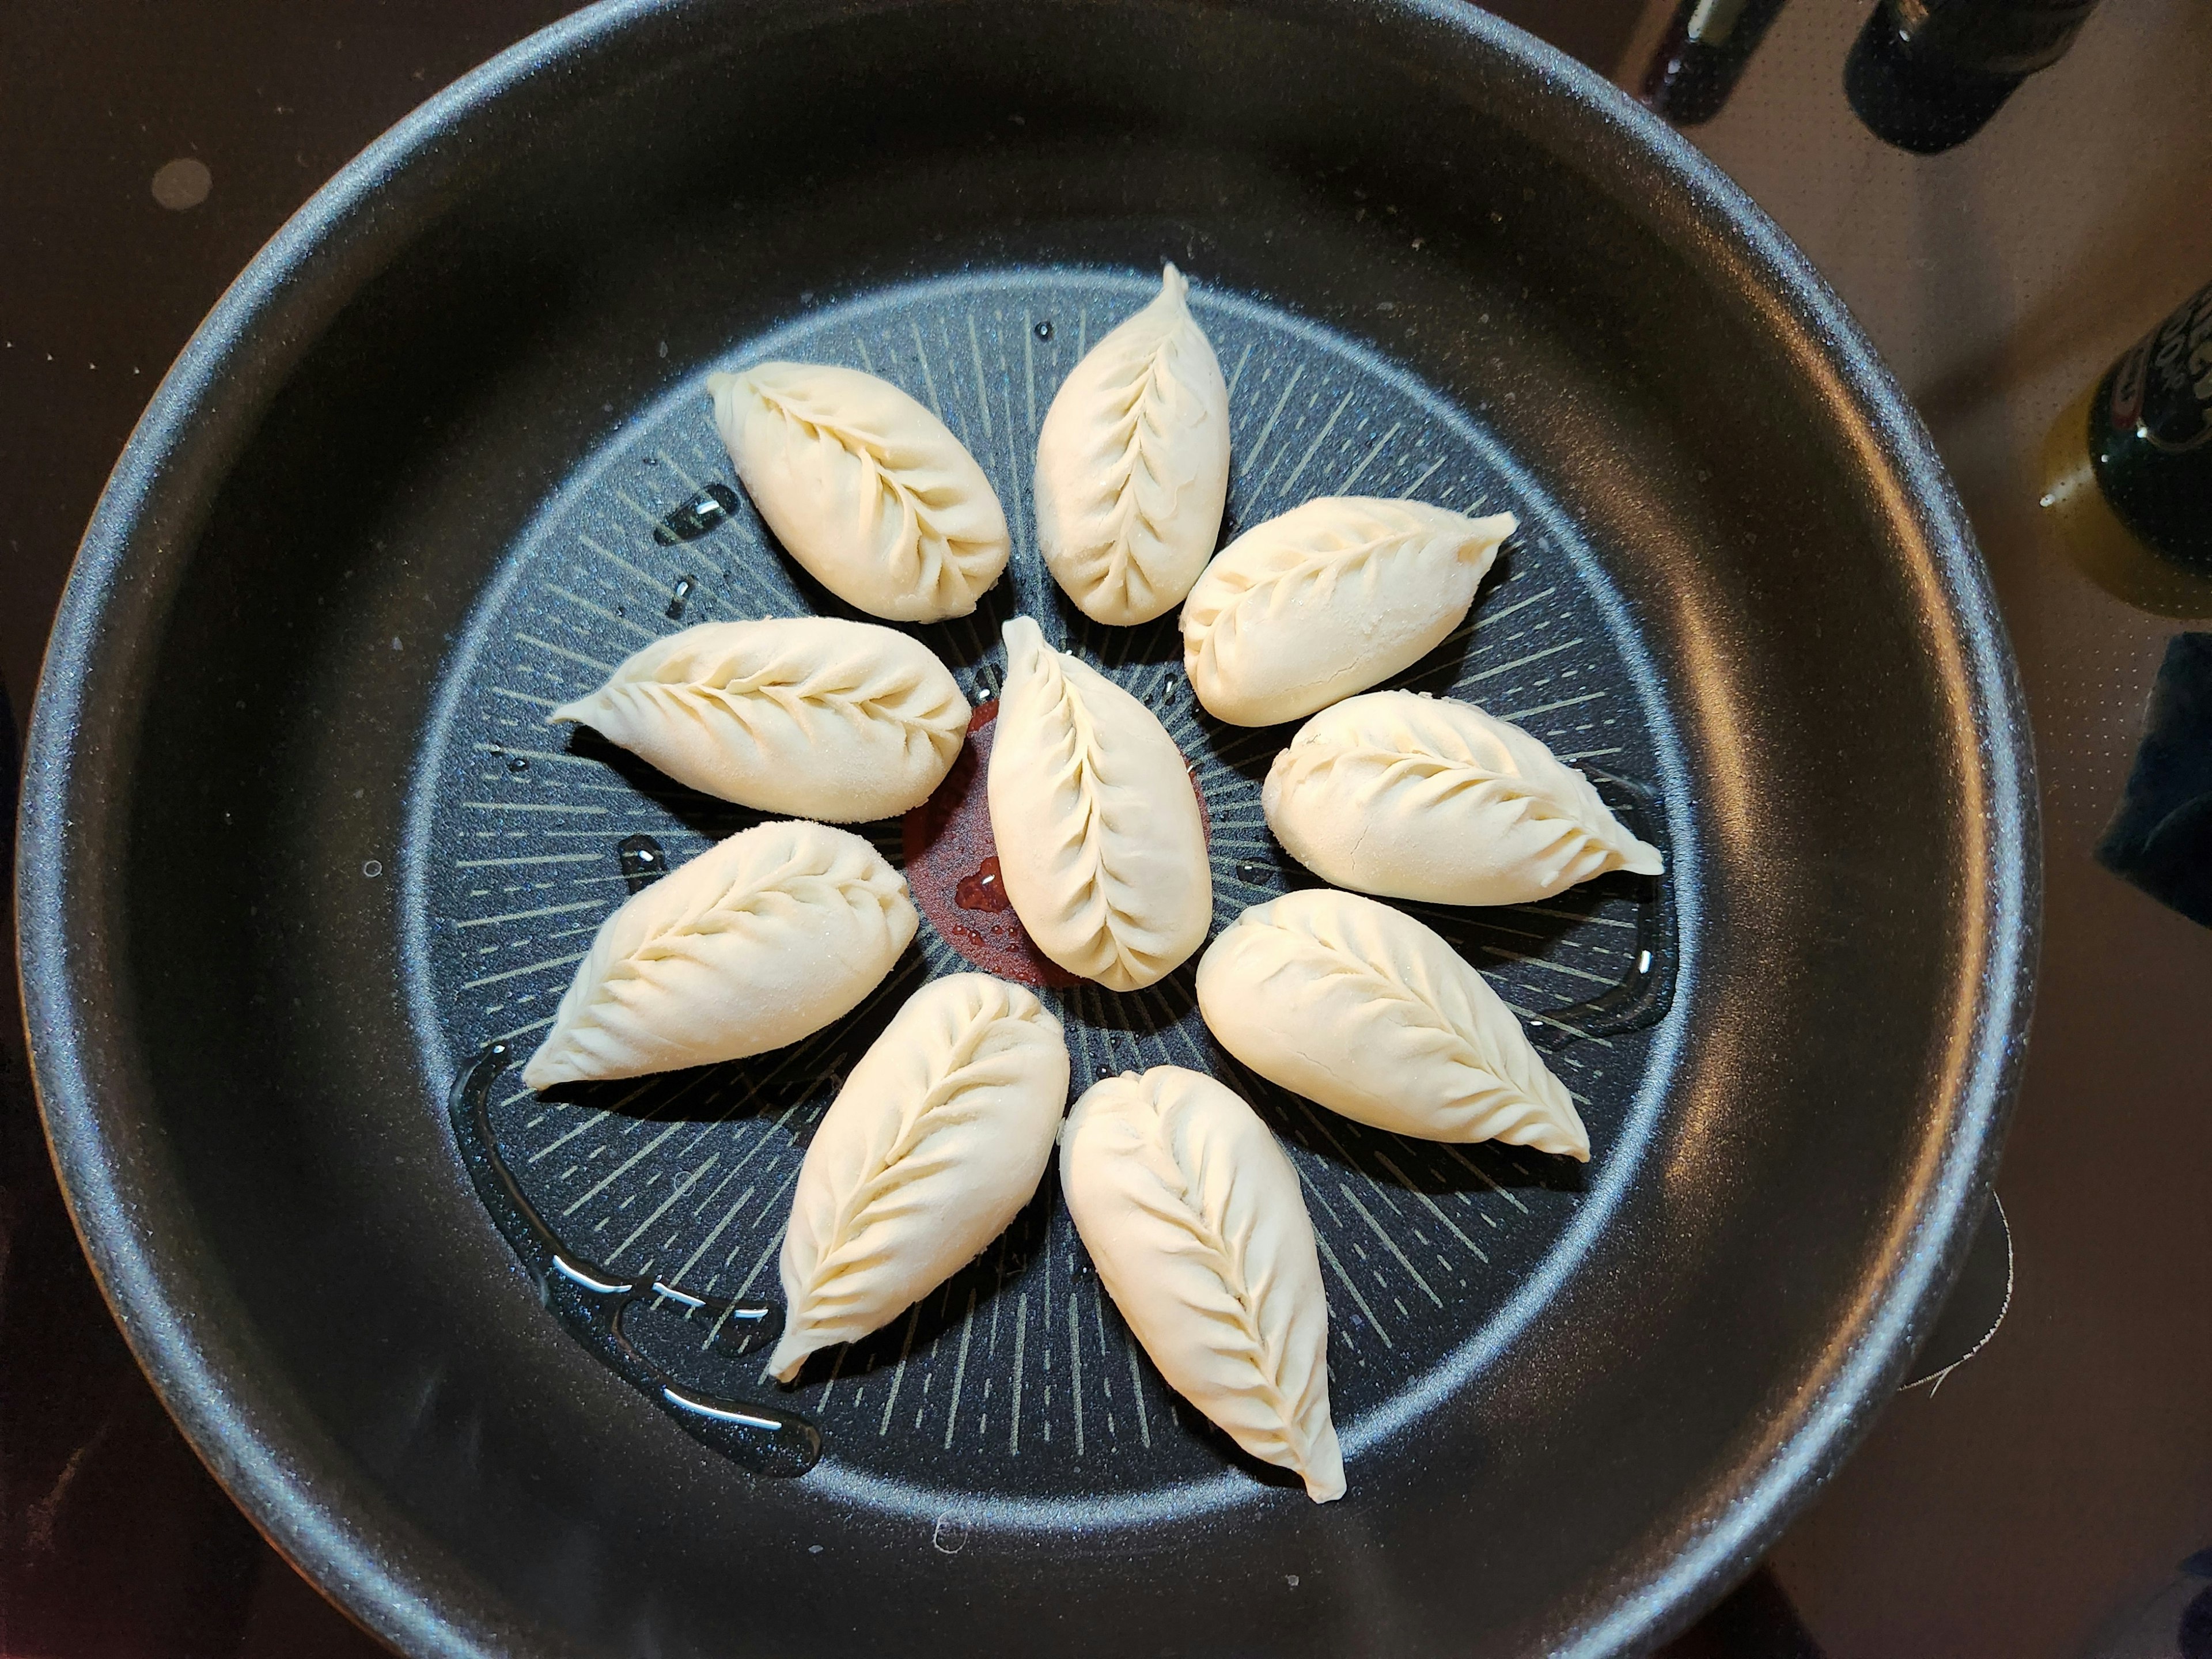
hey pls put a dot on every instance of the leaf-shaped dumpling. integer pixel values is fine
(1101, 846)
(933, 1145)
(1191, 1215)
(1132, 465)
(1429, 797)
(863, 487)
(809, 715)
(1330, 599)
(759, 941)
(1359, 1006)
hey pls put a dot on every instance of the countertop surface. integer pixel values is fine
(2049, 1499)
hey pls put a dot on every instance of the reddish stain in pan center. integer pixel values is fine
(983, 890)
(952, 868)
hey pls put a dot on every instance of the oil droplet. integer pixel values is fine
(517, 763)
(372, 868)
(950, 1535)
(983, 891)
(641, 860)
(1043, 330)
(685, 587)
(695, 517)
(1252, 874)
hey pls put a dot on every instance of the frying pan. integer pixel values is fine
(303, 870)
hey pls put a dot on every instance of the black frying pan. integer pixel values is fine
(301, 866)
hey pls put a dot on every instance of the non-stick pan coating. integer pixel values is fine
(421, 453)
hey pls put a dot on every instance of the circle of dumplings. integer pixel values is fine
(1018, 1377)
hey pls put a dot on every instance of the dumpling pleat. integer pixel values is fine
(1327, 599)
(1192, 1214)
(1361, 1008)
(1431, 798)
(937, 1140)
(1100, 841)
(864, 487)
(810, 715)
(1132, 465)
(761, 940)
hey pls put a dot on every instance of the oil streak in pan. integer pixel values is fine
(609, 1314)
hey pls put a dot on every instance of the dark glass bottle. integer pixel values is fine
(1698, 60)
(1926, 74)
(2128, 469)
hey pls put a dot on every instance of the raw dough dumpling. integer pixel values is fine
(1193, 1217)
(1132, 465)
(806, 715)
(937, 1139)
(1330, 599)
(759, 941)
(1361, 1008)
(863, 487)
(1101, 846)
(1428, 798)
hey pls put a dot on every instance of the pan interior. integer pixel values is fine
(1018, 1377)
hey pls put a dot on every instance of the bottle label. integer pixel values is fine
(2162, 389)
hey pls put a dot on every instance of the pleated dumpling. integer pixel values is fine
(1429, 797)
(1330, 599)
(937, 1139)
(863, 487)
(1191, 1215)
(1132, 465)
(759, 941)
(1100, 845)
(808, 716)
(1361, 1008)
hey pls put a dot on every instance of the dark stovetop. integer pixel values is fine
(2039, 1505)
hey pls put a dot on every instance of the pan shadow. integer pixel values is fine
(703, 815)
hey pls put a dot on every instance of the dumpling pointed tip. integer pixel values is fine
(1173, 280)
(1642, 859)
(1024, 642)
(542, 1072)
(1566, 1141)
(789, 1358)
(571, 713)
(1558, 1131)
(1323, 1469)
(1486, 536)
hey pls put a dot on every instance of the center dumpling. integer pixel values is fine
(1101, 843)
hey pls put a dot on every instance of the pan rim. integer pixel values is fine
(274, 1464)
